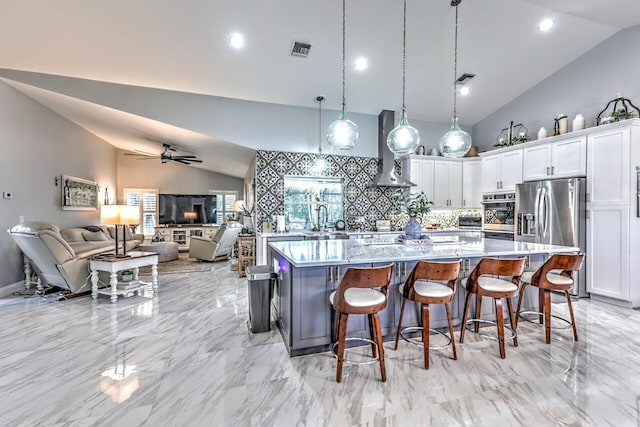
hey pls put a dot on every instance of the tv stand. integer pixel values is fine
(181, 234)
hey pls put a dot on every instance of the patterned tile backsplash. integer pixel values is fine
(360, 198)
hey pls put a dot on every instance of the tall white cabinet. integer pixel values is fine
(613, 225)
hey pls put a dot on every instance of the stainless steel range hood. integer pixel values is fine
(388, 177)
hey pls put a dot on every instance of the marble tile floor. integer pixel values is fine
(186, 358)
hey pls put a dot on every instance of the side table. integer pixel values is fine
(112, 265)
(246, 254)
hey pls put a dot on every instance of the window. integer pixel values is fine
(304, 196)
(224, 204)
(147, 200)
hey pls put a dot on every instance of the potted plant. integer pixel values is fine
(414, 205)
(127, 275)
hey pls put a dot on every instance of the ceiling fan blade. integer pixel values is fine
(184, 162)
(195, 161)
(184, 157)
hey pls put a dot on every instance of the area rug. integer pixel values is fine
(183, 264)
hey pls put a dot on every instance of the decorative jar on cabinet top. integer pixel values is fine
(578, 123)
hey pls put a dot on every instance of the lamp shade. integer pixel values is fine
(239, 206)
(119, 214)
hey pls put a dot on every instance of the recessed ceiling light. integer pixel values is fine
(464, 90)
(361, 64)
(545, 25)
(236, 41)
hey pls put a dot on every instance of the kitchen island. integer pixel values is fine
(308, 271)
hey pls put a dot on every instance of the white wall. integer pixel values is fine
(37, 145)
(584, 86)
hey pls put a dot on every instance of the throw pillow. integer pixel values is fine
(91, 236)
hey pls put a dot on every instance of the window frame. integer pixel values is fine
(141, 192)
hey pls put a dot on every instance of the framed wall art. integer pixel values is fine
(79, 194)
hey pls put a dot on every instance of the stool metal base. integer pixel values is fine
(538, 313)
(420, 343)
(353, 362)
(489, 322)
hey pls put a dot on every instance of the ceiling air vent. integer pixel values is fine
(465, 78)
(300, 49)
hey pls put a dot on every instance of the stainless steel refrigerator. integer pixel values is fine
(553, 212)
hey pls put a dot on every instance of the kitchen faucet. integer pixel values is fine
(326, 216)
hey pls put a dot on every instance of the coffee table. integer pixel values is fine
(112, 265)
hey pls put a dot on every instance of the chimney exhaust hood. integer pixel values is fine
(388, 177)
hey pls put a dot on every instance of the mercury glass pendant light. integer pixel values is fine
(404, 138)
(319, 165)
(456, 142)
(343, 134)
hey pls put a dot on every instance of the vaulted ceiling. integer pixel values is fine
(183, 46)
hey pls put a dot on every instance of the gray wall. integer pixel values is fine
(584, 86)
(171, 177)
(38, 145)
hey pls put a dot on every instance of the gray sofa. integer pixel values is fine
(217, 248)
(61, 258)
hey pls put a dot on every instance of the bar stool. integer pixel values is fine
(357, 294)
(480, 285)
(422, 287)
(555, 275)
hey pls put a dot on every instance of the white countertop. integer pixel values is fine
(355, 251)
(295, 233)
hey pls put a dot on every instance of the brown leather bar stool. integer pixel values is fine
(479, 284)
(357, 293)
(422, 287)
(555, 275)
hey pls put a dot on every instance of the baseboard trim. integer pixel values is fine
(13, 287)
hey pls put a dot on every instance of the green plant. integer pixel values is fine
(127, 272)
(413, 205)
(622, 114)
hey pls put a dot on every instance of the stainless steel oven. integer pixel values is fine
(498, 214)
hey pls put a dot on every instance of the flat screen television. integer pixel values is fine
(187, 209)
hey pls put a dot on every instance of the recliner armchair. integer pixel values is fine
(219, 247)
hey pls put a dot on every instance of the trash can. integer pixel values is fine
(259, 277)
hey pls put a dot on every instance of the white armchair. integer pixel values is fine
(217, 248)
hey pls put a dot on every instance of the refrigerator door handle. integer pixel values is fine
(536, 209)
(545, 200)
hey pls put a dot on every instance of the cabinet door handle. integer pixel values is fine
(464, 202)
(553, 170)
(404, 268)
(330, 274)
(398, 273)
(548, 171)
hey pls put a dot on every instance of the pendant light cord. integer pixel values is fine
(404, 54)
(455, 65)
(320, 99)
(344, 9)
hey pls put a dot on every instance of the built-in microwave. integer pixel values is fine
(498, 212)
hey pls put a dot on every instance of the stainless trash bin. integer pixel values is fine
(259, 288)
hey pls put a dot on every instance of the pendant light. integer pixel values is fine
(456, 142)
(343, 134)
(320, 163)
(404, 138)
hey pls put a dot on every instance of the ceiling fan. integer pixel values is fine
(166, 156)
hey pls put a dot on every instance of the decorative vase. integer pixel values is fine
(413, 229)
(542, 133)
(578, 123)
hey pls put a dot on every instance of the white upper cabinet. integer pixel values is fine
(422, 175)
(558, 159)
(471, 184)
(501, 172)
(609, 167)
(447, 191)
